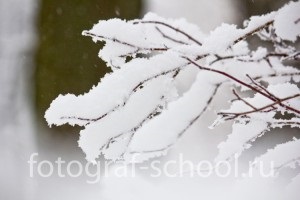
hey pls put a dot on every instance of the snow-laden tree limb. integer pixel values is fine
(136, 112)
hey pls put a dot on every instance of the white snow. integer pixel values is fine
(240, 138)
(287, 21)
(283, 155)
(165, 129)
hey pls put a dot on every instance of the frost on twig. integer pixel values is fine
(138, 112)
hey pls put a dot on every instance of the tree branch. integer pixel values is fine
(253, 31)
(179, 135)
(86, 33)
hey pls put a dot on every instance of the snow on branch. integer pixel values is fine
(138, 112)
(283, 155)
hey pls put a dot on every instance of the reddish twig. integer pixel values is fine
(235, 115)
(170, 38)
(171, 27)
(242, 83)
(243, 100)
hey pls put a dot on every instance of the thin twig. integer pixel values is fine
(170, 38)
(243, 100)
(171, 27)
(240, 58)
(242, 83)
(253, 32)
(258, 109)
(262, 88)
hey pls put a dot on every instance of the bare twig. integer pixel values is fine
(171, 27)
(243, 100)
(263, 88)
(285, 56)
(273, 75)
(170, 38)
(242, 83)
(235, 115)
(286, 122)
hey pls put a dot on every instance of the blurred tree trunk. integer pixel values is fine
(258, 7)
(16, 124)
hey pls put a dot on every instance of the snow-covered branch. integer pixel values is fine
(139, 111)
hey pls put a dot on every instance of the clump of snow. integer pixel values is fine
(259, 53)
(221, 38)
(287, 21)
(240, 138)
(259, 21)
